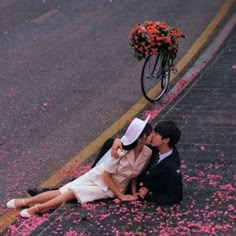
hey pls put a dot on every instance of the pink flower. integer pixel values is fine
(84, 205)
(211, 214)
(117, 201)
(71, 233)
(228, 187)
(183, 166)
(230, 207)
(202, 148)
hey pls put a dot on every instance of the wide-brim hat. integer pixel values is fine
(134, 130)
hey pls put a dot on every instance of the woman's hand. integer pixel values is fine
(116, 145)
(128, 197)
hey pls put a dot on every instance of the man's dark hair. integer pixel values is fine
(147, 130)
(168, 129)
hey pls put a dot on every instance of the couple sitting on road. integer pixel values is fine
(148, 160)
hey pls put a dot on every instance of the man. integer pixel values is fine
(161, 182)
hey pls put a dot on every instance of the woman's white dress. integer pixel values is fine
(91, 186)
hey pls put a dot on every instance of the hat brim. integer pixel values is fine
(133, 135)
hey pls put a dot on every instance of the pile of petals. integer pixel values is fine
(151, 37)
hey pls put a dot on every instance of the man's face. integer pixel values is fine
(157, 140)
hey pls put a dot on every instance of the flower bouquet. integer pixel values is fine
(151, 37)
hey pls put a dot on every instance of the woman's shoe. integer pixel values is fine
(25, 214)
(12, 203)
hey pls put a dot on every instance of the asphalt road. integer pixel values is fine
(67, 74)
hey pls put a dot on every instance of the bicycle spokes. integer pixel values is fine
(155, 77)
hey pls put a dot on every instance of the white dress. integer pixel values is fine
(91, 186)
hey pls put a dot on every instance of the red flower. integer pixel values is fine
(154, 50)
(150, 37)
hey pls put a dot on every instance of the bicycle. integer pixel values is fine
(155, 75)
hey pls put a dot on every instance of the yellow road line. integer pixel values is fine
(9, 217)
(206, 34)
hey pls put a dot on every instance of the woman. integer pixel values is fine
(108, 179)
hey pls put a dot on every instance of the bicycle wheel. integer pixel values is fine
(155, 77)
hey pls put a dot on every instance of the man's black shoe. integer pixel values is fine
(35, 191)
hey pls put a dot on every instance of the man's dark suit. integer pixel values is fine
(164, 181)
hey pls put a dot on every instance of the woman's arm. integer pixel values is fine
(134, 186)
(116, 145)
(112, 186)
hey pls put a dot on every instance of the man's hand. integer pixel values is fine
(128, 197)
(116, 145)
(142, 192)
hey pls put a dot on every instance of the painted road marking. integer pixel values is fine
(10, 216)
(44, 16)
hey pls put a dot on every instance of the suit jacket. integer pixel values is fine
(164, 181)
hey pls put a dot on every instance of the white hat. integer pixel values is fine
(134, 130)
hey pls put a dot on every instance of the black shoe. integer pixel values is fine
(35, 191)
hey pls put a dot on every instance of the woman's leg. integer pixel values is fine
(43, 197)
(52, 203)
